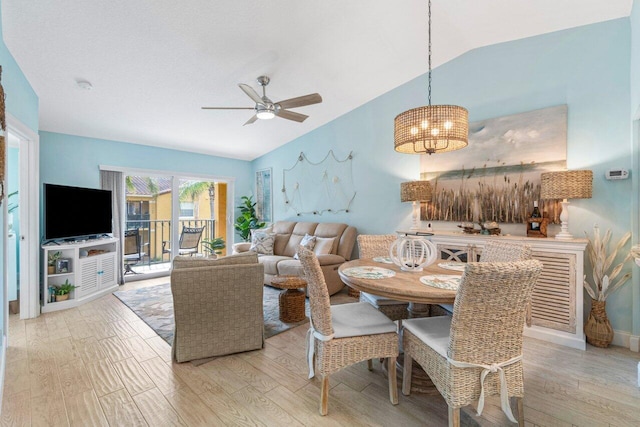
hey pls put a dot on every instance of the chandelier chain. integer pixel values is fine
(429, 52)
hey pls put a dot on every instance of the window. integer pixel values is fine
(186, 209)
(137, 210)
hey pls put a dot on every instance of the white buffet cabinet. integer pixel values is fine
(556, 312)
(92, 269)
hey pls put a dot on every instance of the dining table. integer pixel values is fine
(403, 285)
(435, 284)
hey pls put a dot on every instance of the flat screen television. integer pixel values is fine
(74, 212)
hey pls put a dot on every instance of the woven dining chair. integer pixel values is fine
(478, 351)
(371, 246)
(494, 251)
(344, 334)
(505, 252)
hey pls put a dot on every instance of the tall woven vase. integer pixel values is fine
(598, 328)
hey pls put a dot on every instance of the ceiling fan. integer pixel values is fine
(267, 109)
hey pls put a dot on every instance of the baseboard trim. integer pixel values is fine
(625, 339)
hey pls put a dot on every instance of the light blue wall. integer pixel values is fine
(13, 184)
(586, 68)
(75, 160)
(635, 111)
(21, 99)
(21, 102)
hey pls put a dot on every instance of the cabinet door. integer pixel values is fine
(553, 300)
(88, 280)
(461, 253)
(107, 271)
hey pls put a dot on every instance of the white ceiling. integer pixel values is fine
(154, 63)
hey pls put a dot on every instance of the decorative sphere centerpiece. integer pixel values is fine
(413, 253)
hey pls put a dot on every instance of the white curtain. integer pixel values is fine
(114, 181)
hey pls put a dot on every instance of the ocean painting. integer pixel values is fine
(497, 176)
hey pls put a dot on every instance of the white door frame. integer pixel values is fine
(29, 216)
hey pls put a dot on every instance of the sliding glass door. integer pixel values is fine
(152, 211)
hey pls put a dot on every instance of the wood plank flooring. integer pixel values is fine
(100, 365)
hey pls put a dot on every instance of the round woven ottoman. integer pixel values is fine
(291, 298)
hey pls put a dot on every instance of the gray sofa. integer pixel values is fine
(288, 237)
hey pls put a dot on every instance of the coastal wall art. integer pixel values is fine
(315, 188)
(497, 176)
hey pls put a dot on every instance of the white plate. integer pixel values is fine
(442, 281)
(383, 259)
(452, 265)
(368, 272)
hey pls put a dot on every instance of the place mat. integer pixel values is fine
(442, 281)
(368, 272)
(383, 259)
(452, 265)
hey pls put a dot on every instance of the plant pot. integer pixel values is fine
(51, 269)
(598, 328)
(62, 297)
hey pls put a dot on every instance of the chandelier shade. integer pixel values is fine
(431, 129)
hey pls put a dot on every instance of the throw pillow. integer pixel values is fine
(323, 245)
(308, 242)
(262, 242)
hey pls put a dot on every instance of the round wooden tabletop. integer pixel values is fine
(404, 286)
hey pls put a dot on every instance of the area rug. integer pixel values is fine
(154, 305)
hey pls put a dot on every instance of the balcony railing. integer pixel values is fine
(155, 235)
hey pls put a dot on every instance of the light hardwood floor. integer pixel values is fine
(99, 364)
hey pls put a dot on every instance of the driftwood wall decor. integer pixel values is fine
(497, 177)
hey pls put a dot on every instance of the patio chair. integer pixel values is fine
(189, 241)
(344, 334)
(478, 351)
(371, 246)
(132, 251)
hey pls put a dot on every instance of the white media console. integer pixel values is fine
(92, 268)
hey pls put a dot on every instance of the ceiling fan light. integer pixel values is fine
(265, 115)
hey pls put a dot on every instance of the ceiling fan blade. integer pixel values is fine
(227, 108)
(301, 101)
(290, 115)
(251, 93)
(251, 120)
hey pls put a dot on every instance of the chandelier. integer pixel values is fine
(432, 128)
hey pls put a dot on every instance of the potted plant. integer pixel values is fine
(598, 328)
(214, 246)
(247, 220)
(63, 290)
(51, 261)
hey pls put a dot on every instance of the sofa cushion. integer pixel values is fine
(271, 262)
(298, 233)
(262, 242)
(182, 261)
(308, 242)
(283, 230)
(330, 229)
(290, 267)
(324, 245)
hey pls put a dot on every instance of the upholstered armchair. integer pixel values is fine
(217, 306)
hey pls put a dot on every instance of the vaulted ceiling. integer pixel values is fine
(154, 63)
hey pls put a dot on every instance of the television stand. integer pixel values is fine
(94, 274)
